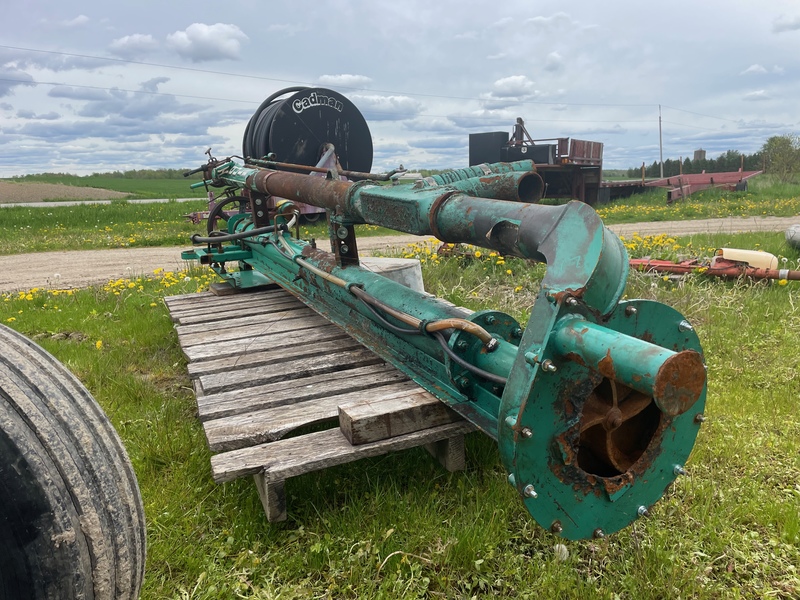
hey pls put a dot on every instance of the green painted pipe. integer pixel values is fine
(674, 380)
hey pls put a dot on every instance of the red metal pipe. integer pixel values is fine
(721, 268)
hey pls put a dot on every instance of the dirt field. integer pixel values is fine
(38, 192)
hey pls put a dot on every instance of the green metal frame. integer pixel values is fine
(594, 404)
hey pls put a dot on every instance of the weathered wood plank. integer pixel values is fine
(212, 336)
(190, 297)
(293, 369)
(211, 311)
(270, 424)
(273, 497)
(224, 404)
(279, 354)
(219, 315)
(200, 297)
(450, 453)
(185, 302)
(241, 321)
(256, 342)
(372, 419)
(291, 457)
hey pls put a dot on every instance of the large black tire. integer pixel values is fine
(71, 516)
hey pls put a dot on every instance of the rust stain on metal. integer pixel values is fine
(571, 474)
(606, 366)
(323, 260)
(604, 463)
(679, 382)
(564, 294)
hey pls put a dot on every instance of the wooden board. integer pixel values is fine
(375, 417)
(264, 365)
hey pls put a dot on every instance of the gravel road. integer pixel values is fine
(81, 268)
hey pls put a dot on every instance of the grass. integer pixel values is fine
(119, 224)
(765, 197)
(122, 224)
(97, 226)
(398, 526)
(172, 187)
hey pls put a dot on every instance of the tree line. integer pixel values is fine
(132, 174)
(780, 156)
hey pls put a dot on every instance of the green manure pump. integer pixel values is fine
(595, 402)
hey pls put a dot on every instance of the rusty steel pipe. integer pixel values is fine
(516, 186)
(531, 231)
(675, 380)
(318, 191)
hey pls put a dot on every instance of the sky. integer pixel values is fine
(89, 86)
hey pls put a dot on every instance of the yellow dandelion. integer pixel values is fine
(782, 282)
(99, 344)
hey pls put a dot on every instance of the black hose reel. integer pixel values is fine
(295, 129)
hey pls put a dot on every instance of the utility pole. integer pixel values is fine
(660, 143)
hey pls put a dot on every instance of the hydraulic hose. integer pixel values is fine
(232, 237)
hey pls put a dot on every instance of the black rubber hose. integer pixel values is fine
(256, 134)
(469, 367)
(385, 323)
(442, 342)
(232, 237)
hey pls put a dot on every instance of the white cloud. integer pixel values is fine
(784, 23)
(11, 77)
(200, 42)
(29, 114)
(756, 68)
(439, 142)
(509, 91)
(76, 93)
(427, 125)
(556, 20)
(151, 85)
(501, 23)
(760, 70)
(133, 46)
(757, 96)
(22, 59)
(453, 74)
(386, 108)
(512, 86)
(345, 80)
(78, 21)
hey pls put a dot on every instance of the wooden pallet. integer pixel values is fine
(263, 365)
